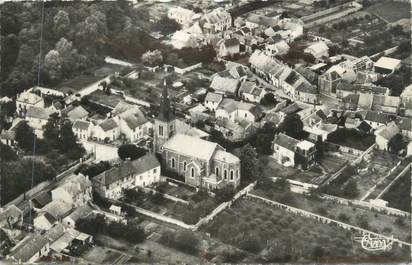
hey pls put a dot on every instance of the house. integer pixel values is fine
(74, 113)
(8, 137)
(384, 134)
(181, 15)
(286, 149)
(212, 100)
(343, 89)
(108, 130)
(328, 82)
(80, 212)
(237, 111)
(389, 104)
(82, 129)
(183, 38)
(386, 65)
(405, 126)
(406, 95)
(317, 127)
(377, 119)
(305, 92)
(37, 118)
(30, 249)
(44, 221)
(254, 21)
(318, 50)
(278, 48)
(409, 149)
(76, 190)
(133, 125)
(141, 172)
(235, 131)
(225, 85)
(58, 209)
(251, 92)
(41, 200)
(10, 217)
(26, 100)
(228, 47)
(197, 160)
(62, 238)
(216, 21)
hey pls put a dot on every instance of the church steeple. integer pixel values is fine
(165, 112)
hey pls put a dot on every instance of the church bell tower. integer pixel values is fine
(164, 124)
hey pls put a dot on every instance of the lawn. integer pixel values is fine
(278, 236)
(77, 83)
(101, 255)
(354, 215)
(273, 169)
(333, 161)
(101, 97)
(391, 11)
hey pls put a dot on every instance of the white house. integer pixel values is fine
(73, 217)
(228, 47)
(182, 16)
(107, 130)
(278, 48)
(76, 190)
(238, 111)
(26, 100)
(386, 65)
(82, 129)
(284, 149)
(212, 101)
(216, 21)
(251, 92)
(30, 249)
(142, 172)
(37, 118)
(384, 134)
(44, 221)
(133, 126)
(318, 50)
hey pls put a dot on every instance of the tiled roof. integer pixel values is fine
(225, 157)
(81, 125)
(38, 113)
(28, 247)
(222, 84)
(231, 42)
(378, 117)
(213, 97)
(285, 141)
(108, 125)
(133, 121)
(126, 169)
(76, 184)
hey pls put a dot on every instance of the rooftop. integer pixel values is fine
(191, 146)
(388, 63)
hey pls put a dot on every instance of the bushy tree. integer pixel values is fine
(292, 126)
(25, 137)
(396, 144)
(268, 99)
(130, 151)
(152, 58)
(53, 65)
(249, 163)
(6, 153)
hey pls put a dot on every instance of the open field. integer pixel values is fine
(391, 11)
(276, 236)
(354, 215)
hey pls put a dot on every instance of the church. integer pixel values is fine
(202, 163)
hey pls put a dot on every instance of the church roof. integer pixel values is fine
(191, 146)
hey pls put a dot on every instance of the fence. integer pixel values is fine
(323, 219)
(167, 196)
(367, 205)
(186, 69)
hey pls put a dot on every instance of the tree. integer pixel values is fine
(268, 99)
(225, 194)
(292, 126)
(396, 144)
(6, 153)
(351, 189)
(61, 23)
(25, 137)
(167, 25)
(152, 58)
(249, 163)
(52, 131)
(187, 241)
(130, 151)
(53, 65)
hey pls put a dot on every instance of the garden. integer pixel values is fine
(195, 204)
(277, 236)
(399, 195)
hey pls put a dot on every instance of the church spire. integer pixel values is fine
(165, 110)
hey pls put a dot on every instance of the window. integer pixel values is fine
(192, 173)
(160, 130)
(245, 115)
(237, 174)
(217, 171)
(231, 175)
(225, 174)
(184, 166)
(173, 163)
(154, 170)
